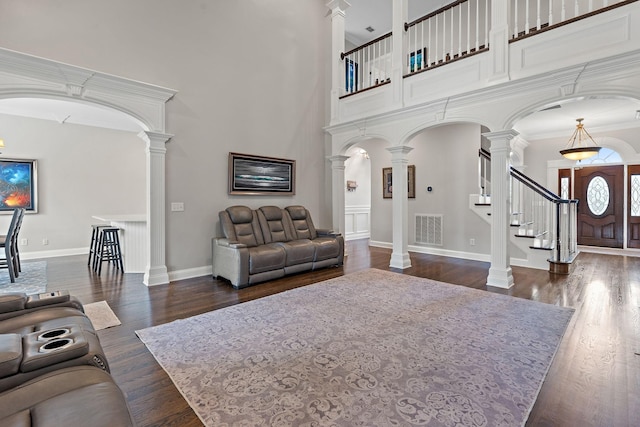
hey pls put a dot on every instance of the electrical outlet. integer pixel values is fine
(45, 241)
(177, 207)
(24, 242)
(472, 242)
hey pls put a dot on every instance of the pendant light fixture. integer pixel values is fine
(581, 145)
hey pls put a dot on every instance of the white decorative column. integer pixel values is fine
(499, 41)
(338, 8)
(337, 192)
(400, 255)
(399, 36)
(500, 274)
(156, 269)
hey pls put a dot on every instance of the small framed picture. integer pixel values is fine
(387, 182)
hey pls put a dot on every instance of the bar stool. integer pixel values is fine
(108, 249)
(93, 246)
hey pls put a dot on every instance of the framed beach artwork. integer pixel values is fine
(258, 175)
(18, 185)
(387, 182)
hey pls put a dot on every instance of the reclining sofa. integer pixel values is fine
(53, 370)
(271, 242)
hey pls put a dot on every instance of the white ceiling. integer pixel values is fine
(69, 112)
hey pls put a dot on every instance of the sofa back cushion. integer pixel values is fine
(240, 224)
(302, 224)
(272, 222)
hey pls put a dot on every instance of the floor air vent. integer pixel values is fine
(429, 229)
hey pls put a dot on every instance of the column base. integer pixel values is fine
(400, 260)
(500, 278)
(156, 276)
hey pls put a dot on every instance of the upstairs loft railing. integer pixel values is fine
(529, 17)
(368, 65)
(456, 31)
(449, 33)
(539, 214)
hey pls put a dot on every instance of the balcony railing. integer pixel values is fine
(530, 16)
(368, 65)
(454, 31)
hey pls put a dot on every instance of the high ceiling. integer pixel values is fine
(555, 120)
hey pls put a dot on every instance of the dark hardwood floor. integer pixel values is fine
(593, 381)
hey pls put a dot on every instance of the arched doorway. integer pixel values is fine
(25, 76)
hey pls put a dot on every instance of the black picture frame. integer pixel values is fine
(18, 185)
(416, 59)
(260, 175)
(351, 76)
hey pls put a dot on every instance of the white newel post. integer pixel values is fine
(500, 274)
(156, 269)
(499, 41)
(337, 192)
(398, 37)
(400, 255)
(338, 8)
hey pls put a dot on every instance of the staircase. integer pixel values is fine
(543, 224)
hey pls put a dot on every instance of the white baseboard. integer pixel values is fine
(53, 253)
(472, 256)
(189, 273)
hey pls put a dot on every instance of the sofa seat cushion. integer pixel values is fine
(326, 248)
(299, 251)
(77, 396)
(266, 257)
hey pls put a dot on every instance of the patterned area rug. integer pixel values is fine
(372, 348)
(32, 279)
(101, 315)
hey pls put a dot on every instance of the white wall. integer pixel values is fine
(251, 78)
(82, 171)
(446, 159)
(358, 202)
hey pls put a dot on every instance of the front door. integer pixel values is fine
(601, 209)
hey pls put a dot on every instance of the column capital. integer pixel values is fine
(338, 5)
(399, 153)
(337, 161)
(507, 134)
(155, 140)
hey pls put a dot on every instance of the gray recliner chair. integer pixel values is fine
(75, 396)
(43, 333)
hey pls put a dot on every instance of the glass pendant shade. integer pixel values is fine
(581, 145)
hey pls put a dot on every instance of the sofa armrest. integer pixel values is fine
(12, 302)
(230, 260)
(326, 232)
(221, 241)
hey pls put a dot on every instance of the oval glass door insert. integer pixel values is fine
(598, 195)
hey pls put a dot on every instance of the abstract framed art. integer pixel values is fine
(18, 185)
(256, 175)
(387, 182)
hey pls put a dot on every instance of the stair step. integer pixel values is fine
(541, 248)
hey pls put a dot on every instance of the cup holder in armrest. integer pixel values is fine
(54, 345)
(53, 333)
(63, 344)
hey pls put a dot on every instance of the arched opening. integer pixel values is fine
(26, 77)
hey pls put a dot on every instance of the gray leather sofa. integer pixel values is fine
(271, 242)
(53, 370)
(75, 396)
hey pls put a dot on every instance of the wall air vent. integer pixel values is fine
(429, 229)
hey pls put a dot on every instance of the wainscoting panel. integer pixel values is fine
(357, 220)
